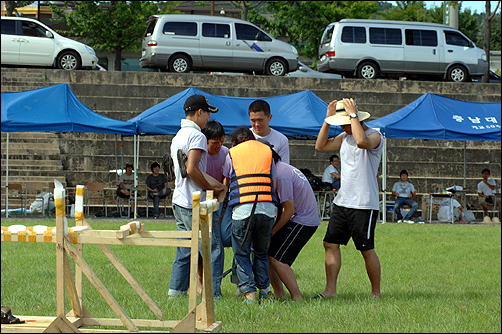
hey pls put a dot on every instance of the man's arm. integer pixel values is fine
(287, 213)
(323, 143)
(195, 174)
(362, 141)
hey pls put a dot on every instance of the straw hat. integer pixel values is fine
(495, 220)
(342, 117)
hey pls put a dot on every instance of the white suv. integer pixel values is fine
(26, 41)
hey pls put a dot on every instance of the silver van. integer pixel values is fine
(181, 43)
(373, 48)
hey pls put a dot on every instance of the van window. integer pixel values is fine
(9, 27)
(385, 36)
(245, 31)
(33, 29)
(454, 38)
(421, 37)
(151, 26)
(354, 35)
(180, 28)
(215, 30)
(328, 33)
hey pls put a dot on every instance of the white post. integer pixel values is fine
(7, 182)
(384, 180)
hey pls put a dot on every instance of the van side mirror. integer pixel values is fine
(49, 34)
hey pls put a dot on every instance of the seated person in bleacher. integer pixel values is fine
(156, 184)
(331, 174)
(404, 192)
(486, 189)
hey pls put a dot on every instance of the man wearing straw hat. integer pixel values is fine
(356, 205)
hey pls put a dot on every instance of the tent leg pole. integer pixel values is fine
(7, 181)
(384, 181)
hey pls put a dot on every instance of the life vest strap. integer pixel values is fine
(263, 184)
(250, 175)
(254, 193)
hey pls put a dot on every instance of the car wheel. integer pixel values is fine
(367, 70)
(69, 61)
(457, 73)
(179, 64)
(276, 67)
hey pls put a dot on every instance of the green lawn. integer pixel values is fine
(435, 278)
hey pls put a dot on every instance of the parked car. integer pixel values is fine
(370, 49)
(494, 78)
(26, 41)
(304, 71)
(182, 43)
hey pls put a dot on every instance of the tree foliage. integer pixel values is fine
(111, 25)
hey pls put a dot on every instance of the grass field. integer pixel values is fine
(435, 278)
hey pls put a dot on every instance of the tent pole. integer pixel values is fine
(136, 147)
(465, 148)
(7, 181)
(384, 181)
(116, 163)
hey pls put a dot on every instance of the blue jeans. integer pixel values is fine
(156, 199)
(253, 274)
(223, 234)
(408, 201)
(180, 274)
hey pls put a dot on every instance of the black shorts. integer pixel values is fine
(345, 223)
(287, 243)
(489, 200)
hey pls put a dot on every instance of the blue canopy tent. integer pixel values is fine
(437, 117)
(298, 115)
(53, 109)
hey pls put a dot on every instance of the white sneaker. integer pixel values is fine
(399, 221)
(409, 221)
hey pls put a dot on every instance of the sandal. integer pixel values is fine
(318, 296)
(8, 318)
(182, 159)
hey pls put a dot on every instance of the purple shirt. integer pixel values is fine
(215, 164)
(293, 185)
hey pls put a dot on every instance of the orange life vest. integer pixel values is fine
(252, 163)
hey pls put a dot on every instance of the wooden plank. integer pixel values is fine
(61, 325)
(194, 253)
(134, 241)
(60, 264)
(187, 325)
(130, 279)
(116, 308)
(70, 287)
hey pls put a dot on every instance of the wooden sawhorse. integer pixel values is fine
(69, 242)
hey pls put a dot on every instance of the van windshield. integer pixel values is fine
(328, 33)
(151, 26)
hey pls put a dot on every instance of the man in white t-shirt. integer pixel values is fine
(331, 174)
(486, 189)
(191, 143)
(259, 117)
(404, 192)
(356, 205)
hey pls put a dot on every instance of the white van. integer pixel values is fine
(27, 41)
(181, 43)
(373, 48)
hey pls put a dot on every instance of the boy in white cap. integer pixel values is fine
(356, 205)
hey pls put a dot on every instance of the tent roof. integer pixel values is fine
(55, 109)
(298, 115)
(437, 117)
